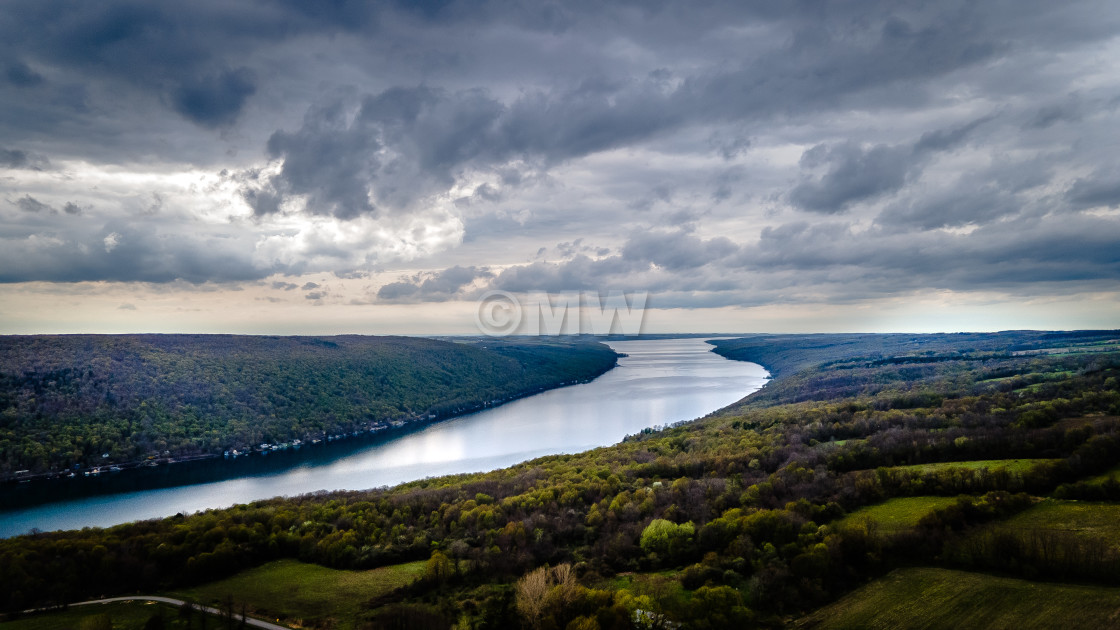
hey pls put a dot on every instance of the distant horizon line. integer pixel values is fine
(617, 337)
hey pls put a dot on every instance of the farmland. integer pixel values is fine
(304, 594)
(896, 514)
(934, 599)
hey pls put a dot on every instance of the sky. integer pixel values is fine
(290, 167)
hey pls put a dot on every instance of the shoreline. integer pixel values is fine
(21, 492)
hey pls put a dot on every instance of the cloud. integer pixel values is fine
(1100, 190)
(215, 100)
(854, 173)
(397, 291)
(16, 159)
(27, 203)
(20, 75)
(128, 252)
(713, 153)
(676, 251)
(437, 286)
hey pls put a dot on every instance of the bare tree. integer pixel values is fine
(531, 593)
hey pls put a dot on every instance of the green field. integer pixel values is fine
(1092, 520)
(928, 599)
(1011, 465)
(1113, 473)
(305, 594)
(123, 616)
(897, 514)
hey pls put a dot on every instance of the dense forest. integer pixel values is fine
(95, 400)
(739, 519)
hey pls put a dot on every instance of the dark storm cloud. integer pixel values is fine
(427, 136)
(405, 142)
(215, 100)
(401, 144)
(16, 159)
(854, 173)
(1009, 256)
(1103, 189)
(127, 253)
(169, 49)
(549, 122)
(962, 205)
(20, 75)
(805, 261)
(676, 251)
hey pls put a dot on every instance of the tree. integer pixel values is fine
(439, 567)
(666, 538)
(532, 589)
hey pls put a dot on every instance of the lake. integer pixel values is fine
(658, 382)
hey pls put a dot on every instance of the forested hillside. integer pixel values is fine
(73, 399)
(827, 478)
(782, 354)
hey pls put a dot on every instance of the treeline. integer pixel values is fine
(743, 505)
(69, 400)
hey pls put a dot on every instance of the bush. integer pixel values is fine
(666, 539)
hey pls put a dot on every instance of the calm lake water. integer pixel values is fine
(659, 382)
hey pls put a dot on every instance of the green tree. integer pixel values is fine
(666, 538)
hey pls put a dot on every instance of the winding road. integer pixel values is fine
(256, 623)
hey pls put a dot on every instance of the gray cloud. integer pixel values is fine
(432, 287)
(854, 173)
(20, 75)
(16, 159)
(215, 100)
(128, 253)
(807, 262)
(1100, 190)
(956, 145)
(27, 203)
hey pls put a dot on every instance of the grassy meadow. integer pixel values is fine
(1091, 520)
(304, 594)
(1014, 466)
(897, 514)
(932, 599)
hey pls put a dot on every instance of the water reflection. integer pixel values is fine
(659, 382)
